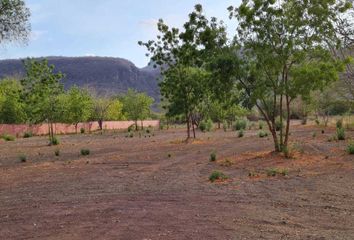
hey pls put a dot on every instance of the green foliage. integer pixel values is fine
(350, 148)
(262, 134)
(115, 111)
(340, 134)
(261, 125)
(54, 141)
(8, 138)
(225, 125)
(206, 125)
(22, 158)
(136, 106)
(339, 123)
(217, 175)
(12, 108)
(213, 156)
(85, 152)
(241, 133)
(27, 135)
(279, 124)
(272, 172)
(240, 124)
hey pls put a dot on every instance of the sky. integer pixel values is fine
(105, 27)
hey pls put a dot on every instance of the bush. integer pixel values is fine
(261, 125)
(206, 126)
(339, 123)
(216, 175)
(22, 158)
(340, 134)
(241, 133)
(262, 134)
(27, 135)
(213, 157)
(85, 152)
(82, 130)
(8, 138)
(57, 153)
(240, 124)
(131, 128)
(350, 148)
(55, 141)
(272, 172)
(225, 126)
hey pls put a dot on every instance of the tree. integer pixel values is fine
(14, 21)
(77, 106)
(136, 106)
(115, 111)
(181, 55)
(11, 106)
(283, 53)
(41, 88)
(101, 106)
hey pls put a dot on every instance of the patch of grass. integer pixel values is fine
(217, 175)
(240, 124)
(350, 148)
(262, 134)
(8, 138)
(54, 142)
(57, 152)
(22, 158)
(212, 157)
(241, 133)
(272, 172)
(85, 152)
(27, 135)
(340, 134)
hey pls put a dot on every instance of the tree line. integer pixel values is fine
(282, 51)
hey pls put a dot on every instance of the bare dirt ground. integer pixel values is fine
(129, 188)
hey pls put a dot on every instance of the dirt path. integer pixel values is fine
(131, 188)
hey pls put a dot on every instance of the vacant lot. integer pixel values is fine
(157, 187)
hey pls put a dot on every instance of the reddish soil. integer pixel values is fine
(129, 188)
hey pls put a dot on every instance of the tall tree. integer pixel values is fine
(283, 48)
(41, 88)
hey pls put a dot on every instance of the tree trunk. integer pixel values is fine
(193, 129)
(281, 122)
(142, 125)
(287, 122)
(188, 127)
(100, 124)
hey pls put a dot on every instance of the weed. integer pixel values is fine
(272, 172)
(350, 148)
(216, 175)
(85, 152)
(260, 125)
(340, 134)
(8, 138)
(226, 163)
(339, 123)
(213, 156)
(54, 142)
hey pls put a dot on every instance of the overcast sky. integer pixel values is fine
(105, 27)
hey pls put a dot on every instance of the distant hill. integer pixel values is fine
(105, 74)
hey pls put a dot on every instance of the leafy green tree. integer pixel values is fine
(115, 111)
(181, 54)
(14, 21)
(11, 106)
(77, 106)
(136, 106)
(283, 48)
(41, 88)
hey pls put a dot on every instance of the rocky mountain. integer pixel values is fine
(108, 76)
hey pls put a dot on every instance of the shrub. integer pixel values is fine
(206, 126)
(241, 133)
(57, 152)
(131, 128)
(240, 124)
(55, 141)
(216, 175)
(225, 126)
(85, 152)
(339, 123)
(350, 148)
(272, 172)
(213, 157)
(8, 138)
(260, 125)
(22, 158)
(262, 134)
(82, 130)
(27, 135)
(317, 122)
(340, 134)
